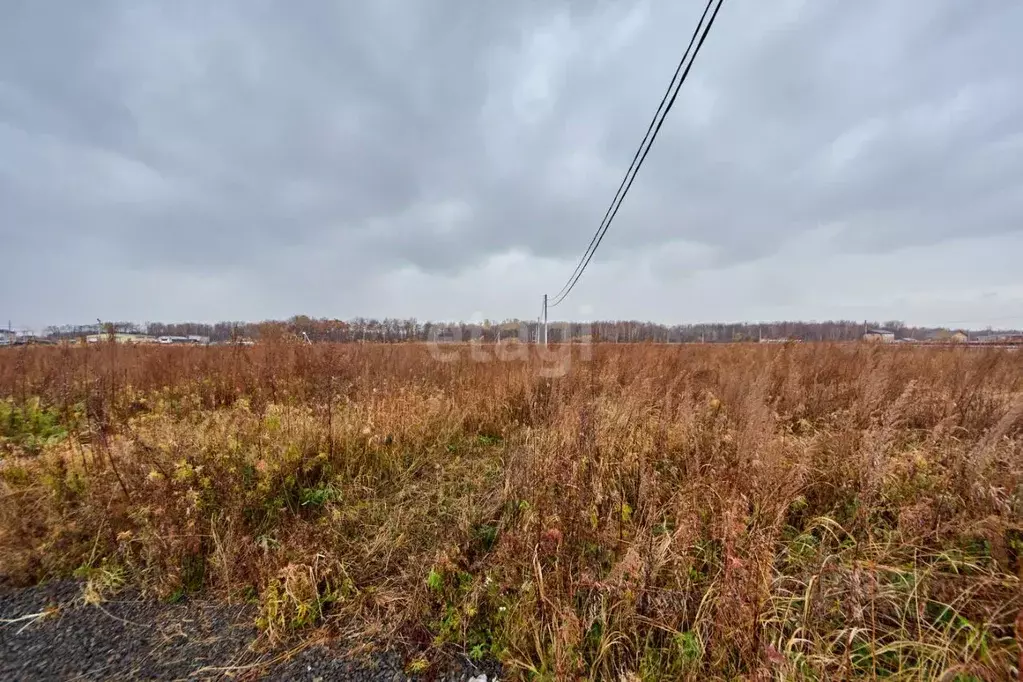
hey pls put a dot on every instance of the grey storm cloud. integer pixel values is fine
(247, 139)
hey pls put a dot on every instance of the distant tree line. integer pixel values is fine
(394, 330)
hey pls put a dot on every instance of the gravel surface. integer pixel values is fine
(49, 633)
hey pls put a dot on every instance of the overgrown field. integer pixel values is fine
(701, 512)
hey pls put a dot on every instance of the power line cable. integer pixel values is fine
(639, 150)
(642, 152)
(616, 206)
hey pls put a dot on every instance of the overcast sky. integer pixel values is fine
(254, 159)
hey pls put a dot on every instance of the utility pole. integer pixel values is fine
(545, 320)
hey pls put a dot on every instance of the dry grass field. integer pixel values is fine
(689, 512)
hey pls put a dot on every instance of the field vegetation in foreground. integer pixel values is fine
(691, 512)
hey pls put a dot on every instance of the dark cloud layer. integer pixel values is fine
(256, 158)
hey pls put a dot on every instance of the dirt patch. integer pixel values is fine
(50, 633)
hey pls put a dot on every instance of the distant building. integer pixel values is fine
(7, 337)
(999, 337)
(947, 336)
(120, 337)
(879, 336)
(192, 340)
(938, 336)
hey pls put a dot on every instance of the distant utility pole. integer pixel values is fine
(545, 320)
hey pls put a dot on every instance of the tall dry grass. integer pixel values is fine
(698, 512)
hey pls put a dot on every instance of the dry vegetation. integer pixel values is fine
(700, 512)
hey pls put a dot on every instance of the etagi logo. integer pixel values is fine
(567, 343)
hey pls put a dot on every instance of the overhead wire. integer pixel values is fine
(639, 150)
(643, 150)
